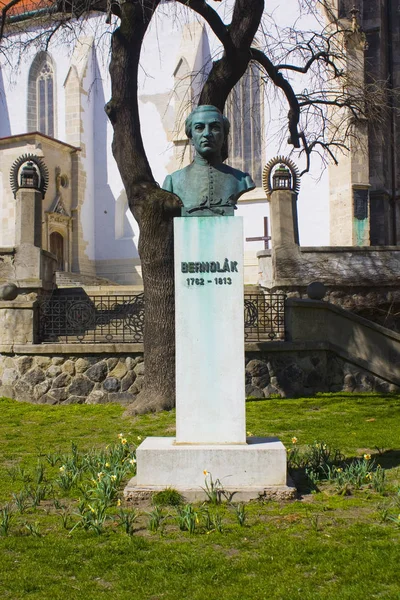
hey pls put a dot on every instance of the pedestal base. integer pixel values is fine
(246, 471)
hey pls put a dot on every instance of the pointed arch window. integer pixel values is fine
(245, 113)
(41, 95)
(45, 100)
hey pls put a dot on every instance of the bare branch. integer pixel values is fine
(215, 22)
(4, 12)
(284, 85)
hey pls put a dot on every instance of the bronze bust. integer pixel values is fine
(208, 187)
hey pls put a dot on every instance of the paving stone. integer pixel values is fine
(74, 399)
(34, 376)
(41, 388)
(61, 380)
(24, 363)
(253, 392)
(58, 360)
(97, 397)
(139, 369)
(69, 367)
(119, 371)
(97, 372)
(257, 368)
(81, 365)
(81, 386)
(53, 371)
(112, 384)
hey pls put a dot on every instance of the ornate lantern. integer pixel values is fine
(29, 176)
(282, 178)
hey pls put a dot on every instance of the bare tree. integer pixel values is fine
(284, 56)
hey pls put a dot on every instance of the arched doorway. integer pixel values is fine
(57, 248)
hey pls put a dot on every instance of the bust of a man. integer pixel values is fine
(208, 187)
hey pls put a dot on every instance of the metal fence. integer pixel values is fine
(264, 317)
(71, 316)
(79, 318)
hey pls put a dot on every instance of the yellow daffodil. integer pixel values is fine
(118, 502)
(367, 456)
(132, 461)
(113, 477)
(107, 464)
(124, 441)
(100, 475)
(62, 469)
(339, 469)
(139, 437)
(249, 433)
(205, 472)
(294, 440)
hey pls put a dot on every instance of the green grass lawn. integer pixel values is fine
(325, 545)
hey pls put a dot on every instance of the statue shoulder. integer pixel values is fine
(245, 180)
(172, 181)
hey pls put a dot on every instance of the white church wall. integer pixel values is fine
(109, 231)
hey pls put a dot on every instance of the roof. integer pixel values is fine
(24, 6)
(35, 136)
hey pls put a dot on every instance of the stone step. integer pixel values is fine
(69, 279)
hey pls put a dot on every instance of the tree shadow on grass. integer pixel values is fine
(389, 459)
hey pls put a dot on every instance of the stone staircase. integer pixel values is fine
(66, 279)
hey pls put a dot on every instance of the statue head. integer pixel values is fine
(208, 129)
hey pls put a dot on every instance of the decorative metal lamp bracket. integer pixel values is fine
(269, 170)
(40, 165)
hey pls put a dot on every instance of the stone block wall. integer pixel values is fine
(283, 369)
(71, 379)
(305, 373)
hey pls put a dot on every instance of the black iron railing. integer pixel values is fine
(71, 316)
(79, 318)
(264, 317)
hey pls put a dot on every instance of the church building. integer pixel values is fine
(52, 99)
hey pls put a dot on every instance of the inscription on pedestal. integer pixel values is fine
(209, 330)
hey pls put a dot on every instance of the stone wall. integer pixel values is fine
(71, 379)
(277, 369)
(305, 373)
(7, 269)
(353, 266)
(364, 280)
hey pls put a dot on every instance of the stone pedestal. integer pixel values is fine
(210, 379)
(28, 217)
(246, 471)
(209, 308)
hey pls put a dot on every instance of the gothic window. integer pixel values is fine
(41, 95)
(244, 110)
(45, 98)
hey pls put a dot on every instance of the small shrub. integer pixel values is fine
(21, 501)
(213, 489)
(167, 497)
(240, 512)
(156, 518)
(91, 517)
(187, 518)
(33, 528)
(5, 519)
(127, 519)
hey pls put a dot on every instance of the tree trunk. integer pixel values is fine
(152, 207)
(156, 250)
